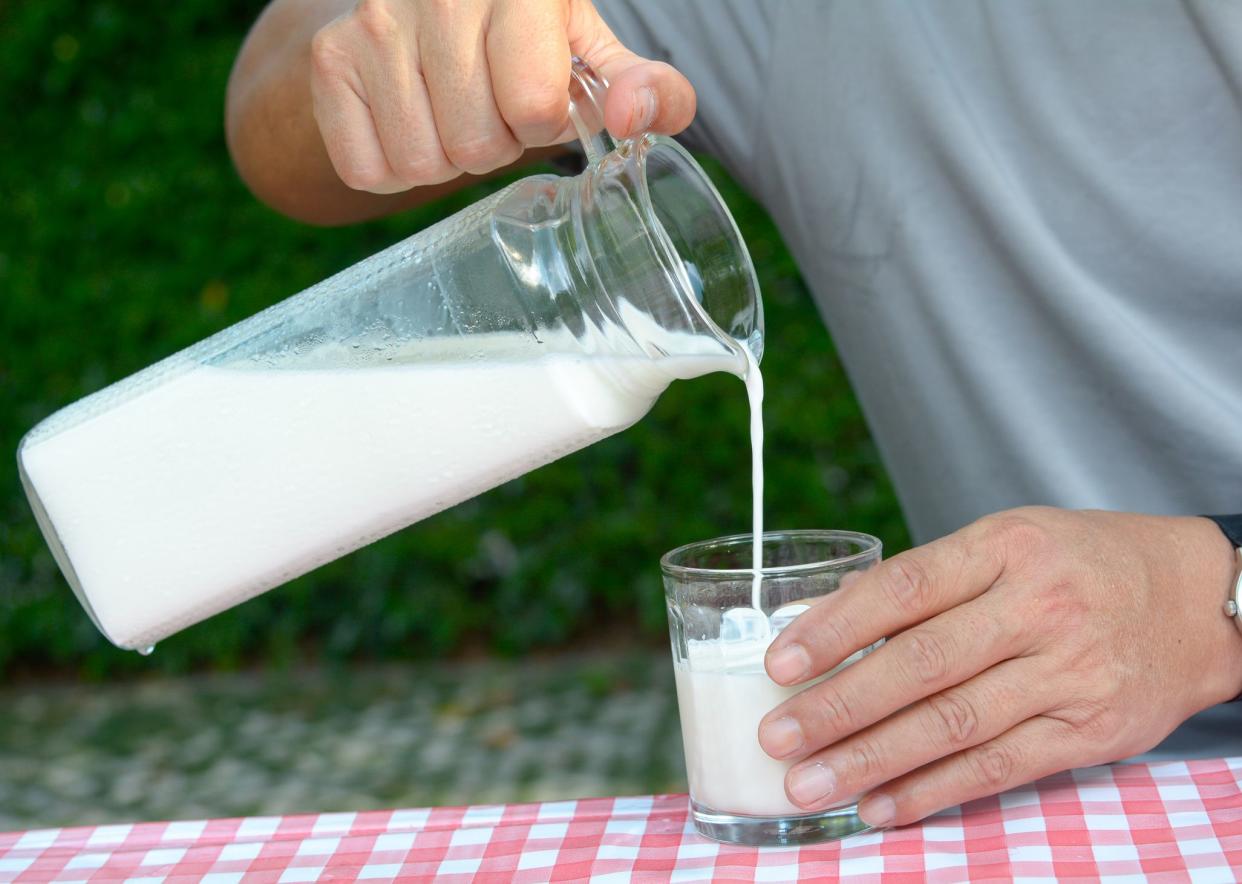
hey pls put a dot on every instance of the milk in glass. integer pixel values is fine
(723, 693)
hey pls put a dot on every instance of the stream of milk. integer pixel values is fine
(754, 395)
(723, 690)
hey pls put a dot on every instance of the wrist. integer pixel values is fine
(1212, 570)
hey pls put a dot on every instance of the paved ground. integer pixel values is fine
(268, 743)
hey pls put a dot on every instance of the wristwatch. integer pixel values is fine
(1231, 526)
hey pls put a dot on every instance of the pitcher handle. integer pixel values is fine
(587, 90)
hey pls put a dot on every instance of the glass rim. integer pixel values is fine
(869, 542)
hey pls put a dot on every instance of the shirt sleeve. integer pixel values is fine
(724, 49)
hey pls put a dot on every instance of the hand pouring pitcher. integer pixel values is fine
(535, 322)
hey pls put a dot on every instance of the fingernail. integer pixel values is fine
(781, 737)
(812, 783)
(877, 810)
(788, 664)
(645, 106)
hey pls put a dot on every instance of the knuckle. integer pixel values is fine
(1092, 720)
(1102, 729)
(1018, 533)
(362, 176)
(441, 8)
(1108, 685)
(838, 636)
(993, 765)
(907, 585)
(955, 718)
(421, 168)
(478, 155)
(927, 661)
(866, 764)
(376, 20)
(326, 53)
(538, 111)
(832, 709)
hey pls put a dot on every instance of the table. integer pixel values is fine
(1176, 820)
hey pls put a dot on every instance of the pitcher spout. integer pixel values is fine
(666, 256)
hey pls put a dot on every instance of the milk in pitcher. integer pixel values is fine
(226, 481)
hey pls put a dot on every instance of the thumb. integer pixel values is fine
(643, 95)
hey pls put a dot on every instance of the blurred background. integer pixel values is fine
(511, 648)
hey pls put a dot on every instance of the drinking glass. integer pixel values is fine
(737, 792)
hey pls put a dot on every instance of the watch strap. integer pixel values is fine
(1230, 526)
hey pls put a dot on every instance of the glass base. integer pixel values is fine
(773, 831)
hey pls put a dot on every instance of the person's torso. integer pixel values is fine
(1022, 223)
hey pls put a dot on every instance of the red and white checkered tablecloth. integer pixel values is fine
(1176, 821)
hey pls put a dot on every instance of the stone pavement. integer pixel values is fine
(359, 738)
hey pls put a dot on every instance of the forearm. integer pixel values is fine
(272, 134)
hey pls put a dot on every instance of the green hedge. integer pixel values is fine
(126, 236)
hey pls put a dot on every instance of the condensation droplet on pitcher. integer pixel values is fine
(147, 651)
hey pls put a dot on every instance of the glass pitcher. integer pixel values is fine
(531, 324)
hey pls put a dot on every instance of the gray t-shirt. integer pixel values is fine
(1022, 223)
